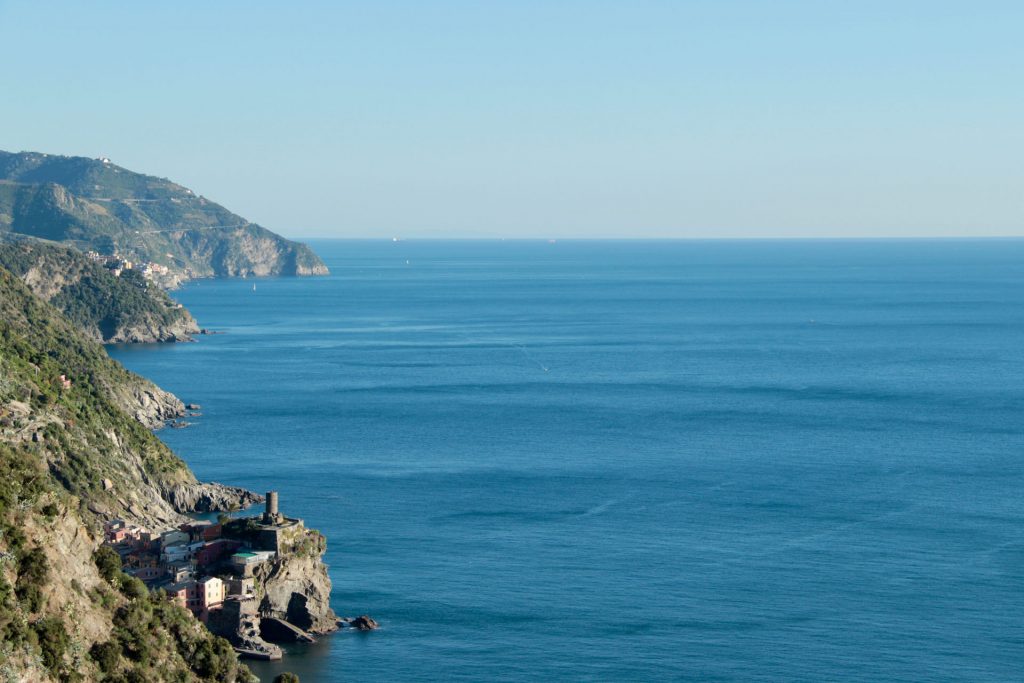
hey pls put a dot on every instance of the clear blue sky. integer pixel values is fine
(550, 118)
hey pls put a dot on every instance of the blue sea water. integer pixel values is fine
(634, 461)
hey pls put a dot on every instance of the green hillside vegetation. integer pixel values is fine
(95, 204)
(104, 306)
(37, 346)
(67, 613)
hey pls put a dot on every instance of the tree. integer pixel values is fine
(286, 677)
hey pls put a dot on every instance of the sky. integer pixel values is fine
(552, 118)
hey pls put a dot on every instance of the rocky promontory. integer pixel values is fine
(110, 305)
(282, 589)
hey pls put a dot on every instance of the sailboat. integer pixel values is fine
(254, 286)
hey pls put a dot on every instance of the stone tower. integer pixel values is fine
(270, 513)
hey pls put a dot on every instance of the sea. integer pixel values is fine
(777, 460)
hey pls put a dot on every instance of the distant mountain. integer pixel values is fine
(96, 205)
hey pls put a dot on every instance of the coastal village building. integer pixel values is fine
(277, 532)
(209, 595)
(244, 563)
(147, 574)
(173, 537)
(178, 593)
(118, 531)
(117, 264)
(177, 572)
(241, 586)
(214, 551)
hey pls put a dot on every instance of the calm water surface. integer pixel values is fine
(635, 461)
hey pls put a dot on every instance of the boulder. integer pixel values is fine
(361, 623)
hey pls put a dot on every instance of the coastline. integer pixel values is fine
(283, 598)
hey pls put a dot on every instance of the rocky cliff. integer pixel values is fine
(208, 497)
(95, 204)
(296, 587)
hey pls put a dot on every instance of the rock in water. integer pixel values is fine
(363, 623)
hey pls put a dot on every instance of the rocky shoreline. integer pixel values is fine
(293, 604)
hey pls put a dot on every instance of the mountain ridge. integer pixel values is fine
(97, 205)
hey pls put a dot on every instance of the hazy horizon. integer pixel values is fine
(660, 120)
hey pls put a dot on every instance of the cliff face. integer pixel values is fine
(101, 206)
(297, 588)
(105, 307)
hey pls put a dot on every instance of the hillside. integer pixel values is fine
(105, 307)
(73, 454)
(96, 205)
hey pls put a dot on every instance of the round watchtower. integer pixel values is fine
(270, 511)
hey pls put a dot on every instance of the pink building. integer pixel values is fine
(179, 593)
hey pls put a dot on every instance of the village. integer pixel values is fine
(118, 264)
(210, 568)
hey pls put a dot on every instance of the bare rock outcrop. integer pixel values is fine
(151, 405)
(209, 497)
(297, 588)
(149, 330)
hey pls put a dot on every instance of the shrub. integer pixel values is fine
(33, 570)
(133, 587)
(53, 641)
(108, 562)
(106, 655)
